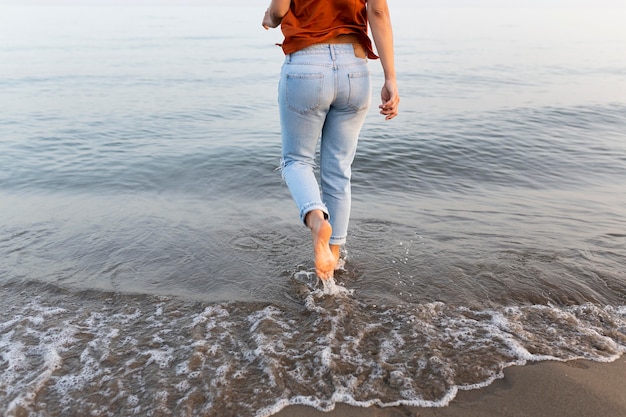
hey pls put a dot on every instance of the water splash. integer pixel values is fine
(320, 287)
(330, 287)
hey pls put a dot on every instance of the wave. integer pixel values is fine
(136, 354)
(525, 148)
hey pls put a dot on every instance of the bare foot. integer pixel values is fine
(335, 249)
(321, 231)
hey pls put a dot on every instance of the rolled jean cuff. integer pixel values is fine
(310, 207)
(335, 240)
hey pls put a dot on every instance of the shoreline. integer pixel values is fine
(579, 388)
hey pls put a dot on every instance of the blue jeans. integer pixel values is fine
(324, 94)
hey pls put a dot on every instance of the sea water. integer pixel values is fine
(152, 262)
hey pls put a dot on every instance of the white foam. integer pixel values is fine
(341, 396)
(51, 343)
(210, 314)
(347, 348)
(507, 328)
(132, 400)
(162, 357)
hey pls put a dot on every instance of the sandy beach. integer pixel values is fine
(571, 389)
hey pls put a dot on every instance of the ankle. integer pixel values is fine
(313, 218)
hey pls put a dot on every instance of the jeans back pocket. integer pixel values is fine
(303, 91)
(360, 95)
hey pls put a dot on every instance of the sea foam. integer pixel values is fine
(327, 350)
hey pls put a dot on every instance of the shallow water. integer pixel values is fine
(153, 263)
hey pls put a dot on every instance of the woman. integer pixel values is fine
(324, 92)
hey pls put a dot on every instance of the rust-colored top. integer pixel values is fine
(317, 21)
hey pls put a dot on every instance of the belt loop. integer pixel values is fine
(333, 53)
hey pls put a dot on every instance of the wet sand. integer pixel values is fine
(546, 389)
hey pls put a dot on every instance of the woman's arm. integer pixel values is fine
(275, 13)
(380, 23)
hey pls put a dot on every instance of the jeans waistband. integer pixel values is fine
(332, 49)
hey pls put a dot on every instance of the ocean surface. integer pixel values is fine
(152, 262)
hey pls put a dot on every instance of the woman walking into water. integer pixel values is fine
(324, 94)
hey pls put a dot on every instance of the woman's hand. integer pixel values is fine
(390, 100)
